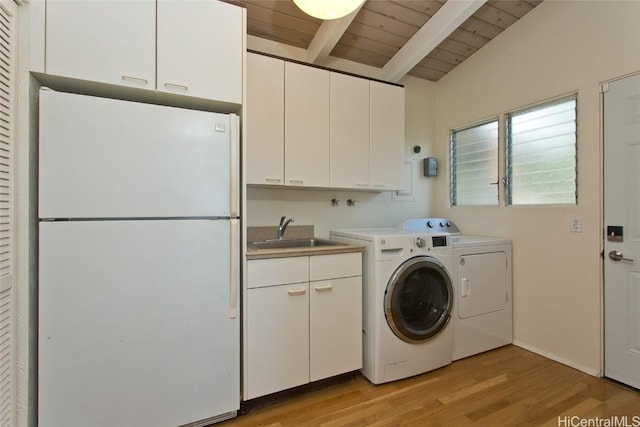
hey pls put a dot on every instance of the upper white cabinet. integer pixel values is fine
(200, 49)
(265, 123)
(387, 136)
(349, 128)
(102, 41)
(310, 127)
(194, 47)
(306, 126)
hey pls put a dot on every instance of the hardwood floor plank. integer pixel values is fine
(476, 388)
(563, 393)
(508, 386)
(512, 415)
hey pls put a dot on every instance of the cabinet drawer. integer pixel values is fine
(322, 267)
(278, 271)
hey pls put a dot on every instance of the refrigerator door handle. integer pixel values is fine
(234, 266)
(234, 167)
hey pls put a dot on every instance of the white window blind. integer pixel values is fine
(8, 10)
(474, 165)
(541, 153)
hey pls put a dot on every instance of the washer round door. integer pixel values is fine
(418, 299)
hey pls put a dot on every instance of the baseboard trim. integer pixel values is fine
(556, 358)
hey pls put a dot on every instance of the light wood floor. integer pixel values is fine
(504, 387)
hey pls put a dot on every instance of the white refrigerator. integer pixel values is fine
(138, 279)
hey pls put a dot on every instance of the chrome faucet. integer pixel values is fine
(283, 226)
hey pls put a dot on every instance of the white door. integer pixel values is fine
(11, 378)
(278, 338)
(135, 324)
(109, 158)
(387, 136)
(335, 327)
(482, 285)
(622, 228)
(200, 49)
(306, 126)
(265, 120)
(93, 40)
(349, 125)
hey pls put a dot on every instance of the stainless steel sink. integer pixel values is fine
(293, 243)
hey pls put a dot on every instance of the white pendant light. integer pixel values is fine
(328, 9)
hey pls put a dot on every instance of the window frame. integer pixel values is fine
(452, 163)
(508, 150)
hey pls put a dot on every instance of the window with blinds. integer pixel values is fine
(474, 165)
(8, 11)
(541, 154)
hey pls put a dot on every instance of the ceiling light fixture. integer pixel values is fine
(328, 9)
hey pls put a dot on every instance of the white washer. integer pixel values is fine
(407, 301)
(482, 309)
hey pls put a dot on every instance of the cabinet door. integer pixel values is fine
(103, 42)
(278, 338)
(336, 327)
(200, 49)
(387, 136)
(265, 120)
(306, 126)
(349, 139)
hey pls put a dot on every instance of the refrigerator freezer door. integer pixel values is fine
(134, 324)
(109, 158)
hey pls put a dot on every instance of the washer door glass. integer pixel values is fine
(418, 299)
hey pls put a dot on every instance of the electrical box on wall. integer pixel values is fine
(430, 165)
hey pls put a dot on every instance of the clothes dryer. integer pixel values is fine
(482, 272)
(408, 301)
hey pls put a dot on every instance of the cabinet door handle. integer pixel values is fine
(135, 79)
(296, 292)
(296, 181)
(273, 180)
(362, 185)
(176, 86)
(325, 288)
(379, 185)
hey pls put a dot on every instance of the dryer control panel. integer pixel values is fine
(428, 243)
(438, 241)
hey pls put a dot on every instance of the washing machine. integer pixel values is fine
(482, 274)
(407, 301)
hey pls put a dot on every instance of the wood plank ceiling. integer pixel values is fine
(382, 27)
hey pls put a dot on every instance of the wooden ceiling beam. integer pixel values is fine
(446, 20)
(327, 37)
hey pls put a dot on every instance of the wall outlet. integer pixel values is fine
(575, 225)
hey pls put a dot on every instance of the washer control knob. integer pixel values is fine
(429, 224)
(420, 242)
(448, 223)
(442, 224)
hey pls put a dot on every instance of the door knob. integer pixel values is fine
(618, 256)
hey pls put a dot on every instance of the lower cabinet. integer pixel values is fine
(335, 327)
(304, 320)
(278, 338)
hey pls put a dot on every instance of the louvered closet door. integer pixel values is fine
(8, 20)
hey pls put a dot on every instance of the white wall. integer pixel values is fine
(265, 206)
(560, 47)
